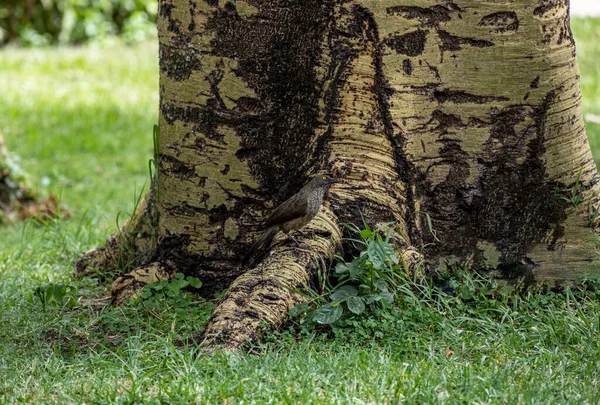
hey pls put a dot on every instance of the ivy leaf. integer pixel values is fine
(298, 309)
(381, 285)
(356, 305)
(341, 268)
(146, 293)
(343, 293)
(388, 296)
(158, 286)
(371, 298)
(328, 314)
(366, 233)
(194, 281)
(355, 267)
(175, 286)
(379, 252)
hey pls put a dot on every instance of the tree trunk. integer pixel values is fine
(468, 111)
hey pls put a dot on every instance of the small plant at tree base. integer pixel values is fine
(575, 197)
(170, 292)
(55, 294)
(362, 283)
(167, 306)
(593, 214)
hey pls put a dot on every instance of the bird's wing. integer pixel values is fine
(291, 209)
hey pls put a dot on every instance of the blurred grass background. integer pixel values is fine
(79, 119)
(46, 22)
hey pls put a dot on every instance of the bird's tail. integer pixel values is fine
(263, 242)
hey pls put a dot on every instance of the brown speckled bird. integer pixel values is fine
(295, 213)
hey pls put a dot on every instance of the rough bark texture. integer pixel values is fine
(467, 110)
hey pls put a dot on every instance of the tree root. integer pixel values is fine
(127, 286)
(265, 294)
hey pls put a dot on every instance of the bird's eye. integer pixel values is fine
(324, 177)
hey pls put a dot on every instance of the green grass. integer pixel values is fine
(587, 33)
(80, 119)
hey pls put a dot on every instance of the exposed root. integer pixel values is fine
(129, 285)
(265, 294)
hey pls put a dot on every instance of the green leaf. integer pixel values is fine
(371, 298)
(341, 268)
(388, 296)
(379, 252)
(220, 294)
(328, 314)
(381, 285)
(177, 284)
(356, 305)
(356, 267)
(194, 281)
(298, 309)
(158, 286)
(366, 233)
(343, 293)
(56, 292)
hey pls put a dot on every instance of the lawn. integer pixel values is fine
(80, 120)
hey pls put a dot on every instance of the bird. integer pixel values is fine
(293, 214)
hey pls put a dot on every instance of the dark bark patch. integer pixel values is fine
(461, 97)
(445, 121)
(177, 62)
(451, 42)
(430, 16)
(511, 205)
(556, 27)
(410, 44)
(271, 297)
(535, 83)
(193, 6)
(500, 22)
(549, 8)
(175, 167)
(205, 119)
(407, 67)
(518, 271)
(517, 214)
(165, 8)
(276, 50)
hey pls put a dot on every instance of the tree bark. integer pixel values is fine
(468, 111)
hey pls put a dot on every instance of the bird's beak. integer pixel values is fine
(333, 181)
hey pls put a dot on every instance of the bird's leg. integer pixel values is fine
(294, 239)
(304, 234)
(299, 244)
(317, 232)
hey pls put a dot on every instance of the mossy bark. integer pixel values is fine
(466, 110)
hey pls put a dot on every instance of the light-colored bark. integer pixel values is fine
(467, 110)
